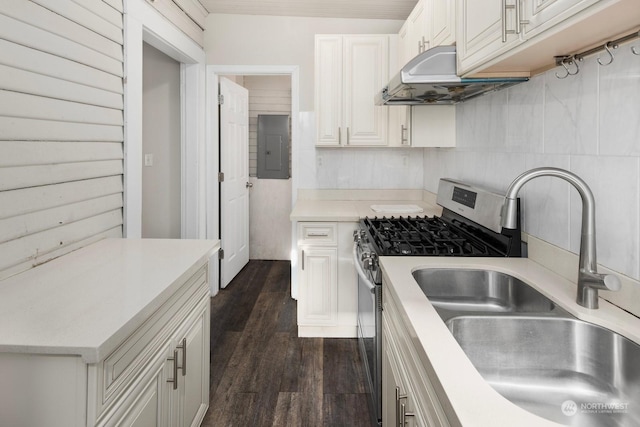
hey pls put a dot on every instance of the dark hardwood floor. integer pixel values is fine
(262, 374)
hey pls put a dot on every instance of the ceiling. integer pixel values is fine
(367, 9)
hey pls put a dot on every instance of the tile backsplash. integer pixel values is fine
(355, 168)
(589, 124)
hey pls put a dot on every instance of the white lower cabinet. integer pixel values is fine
(327, 296)
(158, 376)
(409, 393)
(172, 386)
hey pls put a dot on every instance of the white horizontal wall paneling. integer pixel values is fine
(194, 10)
(47, 20)
(170, 10)
(61, 128)
(89, 16)
(36, 38)
(116, 4)
(18, 80)
(18, 203)
(42, 63)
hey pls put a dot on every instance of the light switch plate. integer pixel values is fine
(148, 159)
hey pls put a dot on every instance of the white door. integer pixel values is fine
(234, 193)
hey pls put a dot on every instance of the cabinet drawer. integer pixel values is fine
(122, 367)
(318, 233)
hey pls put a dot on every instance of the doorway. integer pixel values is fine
(254, 212)
(161, 145)
(269, 199)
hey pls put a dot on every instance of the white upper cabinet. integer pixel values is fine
(544, 14)
(486, 28)
(419, 29)
(443, 22)
(516, 37)
(430, 24)
(328, 90)
(349, 71)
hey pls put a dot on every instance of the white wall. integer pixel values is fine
(161, 132)
(272, 40)
(588, 124)
(280, 40)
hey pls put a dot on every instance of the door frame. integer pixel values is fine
(142, 23)
(212, 150)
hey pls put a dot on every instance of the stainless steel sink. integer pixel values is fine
(533, 352)
(458, 290)
(539, 363)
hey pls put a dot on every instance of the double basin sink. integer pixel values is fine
(534, 353)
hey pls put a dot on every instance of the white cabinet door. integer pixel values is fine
(151, 405)
(397, 397)
(349, 71)
(389, 384)
(194, 390)
(443, 22)
(418, 29)
(543, 14)
(318, 302)
(366, 65)
(433, 126)
(485, 29)
(405, 45)
(328, 90)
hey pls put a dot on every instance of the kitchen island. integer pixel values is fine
(104, 335)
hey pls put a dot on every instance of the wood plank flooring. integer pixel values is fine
(262, 374)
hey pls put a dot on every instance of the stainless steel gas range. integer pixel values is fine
(469, 226)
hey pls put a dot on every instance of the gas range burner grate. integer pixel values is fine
(422, 236)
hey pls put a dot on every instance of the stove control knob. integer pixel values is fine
(358, 235)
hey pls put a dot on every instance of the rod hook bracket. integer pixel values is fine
(608, 47)
(566, 61)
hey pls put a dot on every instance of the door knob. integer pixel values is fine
(249, 185)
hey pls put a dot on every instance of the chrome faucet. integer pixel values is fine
(589, 280)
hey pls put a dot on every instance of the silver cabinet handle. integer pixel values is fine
(303, 259)
(506, 7)
(339, 135)
(519, 21)
(174, 380)
(404, 137)
(348, 134)
(248, 185)
(183, 346)
(398, 406)
(404, 414)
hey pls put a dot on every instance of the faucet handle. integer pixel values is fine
(605, 282)
(611, 282)
(589, 283)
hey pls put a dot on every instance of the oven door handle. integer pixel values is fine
(360, 270)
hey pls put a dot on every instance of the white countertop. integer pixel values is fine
(347, 210)
(436, 346)
(86, 302)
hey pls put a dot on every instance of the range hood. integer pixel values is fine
(430, 79)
